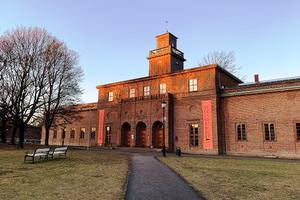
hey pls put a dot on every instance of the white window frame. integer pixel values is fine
(162, 88)
(193, 85)
(194, 135)
(110, 96)
(147, 91)
(132, 93)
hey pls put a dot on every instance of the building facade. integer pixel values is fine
(32, 134)
(208, 110)
(80, 128)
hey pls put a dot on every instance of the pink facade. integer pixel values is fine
(207, 124)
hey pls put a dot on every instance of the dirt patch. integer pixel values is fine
(5, 172)
(24, 168)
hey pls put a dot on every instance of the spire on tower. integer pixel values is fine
(167, 27)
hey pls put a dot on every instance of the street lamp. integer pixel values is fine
(164, 105)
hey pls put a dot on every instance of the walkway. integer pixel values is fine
(152, 180)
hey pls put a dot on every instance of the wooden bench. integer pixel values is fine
(58, 151)
(40, 153)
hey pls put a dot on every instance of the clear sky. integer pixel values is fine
(113, 37)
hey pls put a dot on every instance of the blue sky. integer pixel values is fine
(113, 37)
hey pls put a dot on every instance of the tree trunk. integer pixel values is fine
(21, 136)
(47, 133)
(3, 131)
(13, 136)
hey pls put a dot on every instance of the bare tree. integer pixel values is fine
(224, 59)
(62, 88)
(23, 55)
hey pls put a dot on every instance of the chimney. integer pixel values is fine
(256, 78)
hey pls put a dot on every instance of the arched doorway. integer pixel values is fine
(141, 135)
(125, 135)
(157, 134)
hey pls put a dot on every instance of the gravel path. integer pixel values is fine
(151, 179)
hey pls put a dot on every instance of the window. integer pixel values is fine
(108, 135)
(82, 133)
(194, 135)
(110, 96)
(147, 91)
(241, 132)
(162, 88)
(269, 132)
(72, 135)
(298, 131)
(131, 93)
(193, 85)
(93, 133)
(54, 134)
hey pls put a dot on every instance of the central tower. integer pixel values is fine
(166, 58)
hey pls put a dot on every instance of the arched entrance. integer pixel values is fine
(125, 135)
(157, 135)
(140, 135)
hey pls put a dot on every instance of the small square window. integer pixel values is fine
(193, 85)
(147, 91)
(110, 96)
(163, 88)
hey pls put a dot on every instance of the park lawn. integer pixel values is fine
(234, 178)
(83, 175)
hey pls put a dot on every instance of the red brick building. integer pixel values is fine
(208, 110)
(32, 134)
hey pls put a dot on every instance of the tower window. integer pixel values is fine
(110, 96)
(193, 85)
(131, 93)
(269, 132)
(147, 91)
(194, 135)
(241, 131)
(298, 131)
(162, 88)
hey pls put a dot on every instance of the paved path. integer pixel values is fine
(152, 180)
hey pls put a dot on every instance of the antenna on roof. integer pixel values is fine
(167, 26)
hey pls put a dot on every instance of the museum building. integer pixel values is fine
(206, 110)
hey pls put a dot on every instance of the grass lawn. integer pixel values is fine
(233, 178)
(83, 175)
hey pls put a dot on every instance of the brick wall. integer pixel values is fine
(85, 119)
(280, 108)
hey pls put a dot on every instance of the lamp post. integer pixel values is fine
(164, 105)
